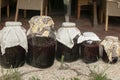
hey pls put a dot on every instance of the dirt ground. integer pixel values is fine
(77, 69)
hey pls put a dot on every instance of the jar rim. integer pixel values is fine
(68, 24)
(13, 23)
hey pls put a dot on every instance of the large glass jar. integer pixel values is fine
(67, 45)
(41, 42)
(13, 47)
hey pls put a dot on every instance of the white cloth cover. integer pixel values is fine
(67, 33)
(88, 36)
(12, 35)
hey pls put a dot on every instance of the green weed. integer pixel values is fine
(10, 74)
(98, 75)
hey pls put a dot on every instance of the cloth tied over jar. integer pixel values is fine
(42, 25)
(112, 46)
(11, 35)
(67, 33)
(89, 37)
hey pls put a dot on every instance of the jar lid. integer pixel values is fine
(13, 23)
(68, 24)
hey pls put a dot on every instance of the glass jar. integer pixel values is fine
(67, 45)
